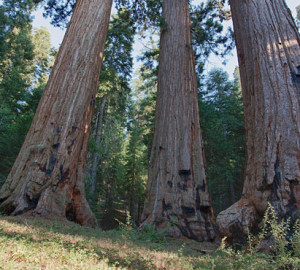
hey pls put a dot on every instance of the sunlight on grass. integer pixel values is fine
(35, 243)
(23, 247)
(41, 244)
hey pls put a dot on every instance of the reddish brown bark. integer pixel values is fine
(48, 174)
(268, 47)
(177, 194)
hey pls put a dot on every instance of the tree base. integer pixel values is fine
(237, 221)
(59, 204)
(191, 227)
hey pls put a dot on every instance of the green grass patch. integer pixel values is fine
(36, 243)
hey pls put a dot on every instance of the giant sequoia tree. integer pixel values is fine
(268, 46)
(48, 174)
(177, 194)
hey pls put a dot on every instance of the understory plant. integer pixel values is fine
(277, 246)
(147, 233)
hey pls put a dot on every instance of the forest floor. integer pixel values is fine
(36, 243)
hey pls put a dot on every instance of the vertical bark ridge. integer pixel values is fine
(48, 174)
(269, 53)
(177, 195)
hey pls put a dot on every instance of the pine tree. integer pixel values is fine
(222, 123)
(113, 82)
(17, 74)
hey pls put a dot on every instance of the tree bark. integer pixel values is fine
(268, 47)
(48, 174)
(177, 194)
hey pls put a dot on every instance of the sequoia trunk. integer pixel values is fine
(268, 47)
(177, 194)
(48, 174)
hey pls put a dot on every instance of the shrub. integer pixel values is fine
(277, 246)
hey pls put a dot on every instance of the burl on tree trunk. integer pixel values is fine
(268, 47)
(48, 174)
(177, 195)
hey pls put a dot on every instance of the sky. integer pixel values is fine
(214, 62)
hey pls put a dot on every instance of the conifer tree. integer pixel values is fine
(177, 194)
(48, 174)
(268, 46)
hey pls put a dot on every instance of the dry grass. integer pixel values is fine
(35, 243)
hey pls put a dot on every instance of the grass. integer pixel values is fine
(36, 243)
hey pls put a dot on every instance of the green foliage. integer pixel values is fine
(279, 240)
(285, 236)
(43, 55)
(298, 16)
(59, 11)
(136, 171)
(13, 131)
(148, 233)
(130, 118)
(146, 13)
(208, 33)
(140, 128)
(37, 243)
(209, 36)
(23, 63)
(109, 202)
(222, 122)
(298, 12)
(111, 171)
(16, 61)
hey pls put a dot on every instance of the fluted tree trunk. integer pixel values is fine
(268, 47)
(177, 194)
(48, 174)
